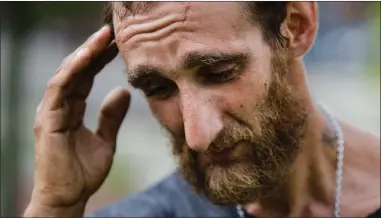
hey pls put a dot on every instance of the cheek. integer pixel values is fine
(168, 113)
(246, 94)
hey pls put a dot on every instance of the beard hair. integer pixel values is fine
(281, 118)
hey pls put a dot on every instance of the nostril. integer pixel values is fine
(215, 149)
(198, 148)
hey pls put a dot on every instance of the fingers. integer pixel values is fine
(84, 86)
(113, 111)
(108, 55)
(56, 121)
(77, 112)
(58, 86)
(253, 209)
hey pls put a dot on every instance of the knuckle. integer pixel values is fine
(64, 63)
(87, 53)
(37, 127)
(52, 83)
(66, 60)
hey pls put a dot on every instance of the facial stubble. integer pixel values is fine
(282, 118)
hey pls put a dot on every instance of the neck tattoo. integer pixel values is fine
(340, 156)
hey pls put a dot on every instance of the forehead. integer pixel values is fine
(166, 31)
(151, 9)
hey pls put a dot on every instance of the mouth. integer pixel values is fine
(224, 156)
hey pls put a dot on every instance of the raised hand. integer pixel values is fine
(71, 161)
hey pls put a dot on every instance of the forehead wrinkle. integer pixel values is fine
(181, 64)
(145, 27)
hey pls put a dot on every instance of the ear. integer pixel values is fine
(300, 27)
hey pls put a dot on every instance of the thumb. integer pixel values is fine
(113, 111)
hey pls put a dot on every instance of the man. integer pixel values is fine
(227, 81)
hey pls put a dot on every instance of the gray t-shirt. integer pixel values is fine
(171, 197)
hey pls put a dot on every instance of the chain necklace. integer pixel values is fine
(339, 171)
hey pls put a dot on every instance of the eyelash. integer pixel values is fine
(162, 92)
(156, 91)
(222, 76)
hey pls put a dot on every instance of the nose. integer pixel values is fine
(201, 119)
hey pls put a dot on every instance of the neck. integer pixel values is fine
(310, 185)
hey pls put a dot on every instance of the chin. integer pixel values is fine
(234, 183)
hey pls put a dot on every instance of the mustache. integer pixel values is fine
(230, 135)
(233, 132)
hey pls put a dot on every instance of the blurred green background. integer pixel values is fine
(343, 71)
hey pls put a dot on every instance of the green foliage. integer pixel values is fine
(373, 65)
(46, 10)
(21, 17)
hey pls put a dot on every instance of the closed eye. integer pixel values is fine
(219, 73)
(158, 88)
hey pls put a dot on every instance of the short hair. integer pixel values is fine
(269, 15)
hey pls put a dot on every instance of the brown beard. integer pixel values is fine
(281, 119)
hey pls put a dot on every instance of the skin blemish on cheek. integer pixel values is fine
(241, 106)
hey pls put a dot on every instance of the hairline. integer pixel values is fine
(147, 6)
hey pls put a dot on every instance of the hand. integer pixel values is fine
(71, 161)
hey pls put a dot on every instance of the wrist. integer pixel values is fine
(38, 209)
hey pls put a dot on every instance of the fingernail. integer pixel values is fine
(99, 32)
(103, 29)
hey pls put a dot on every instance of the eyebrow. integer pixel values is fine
(191, 60)
(137, 75)
(202, 59)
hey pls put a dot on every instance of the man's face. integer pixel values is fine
(221, 93)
